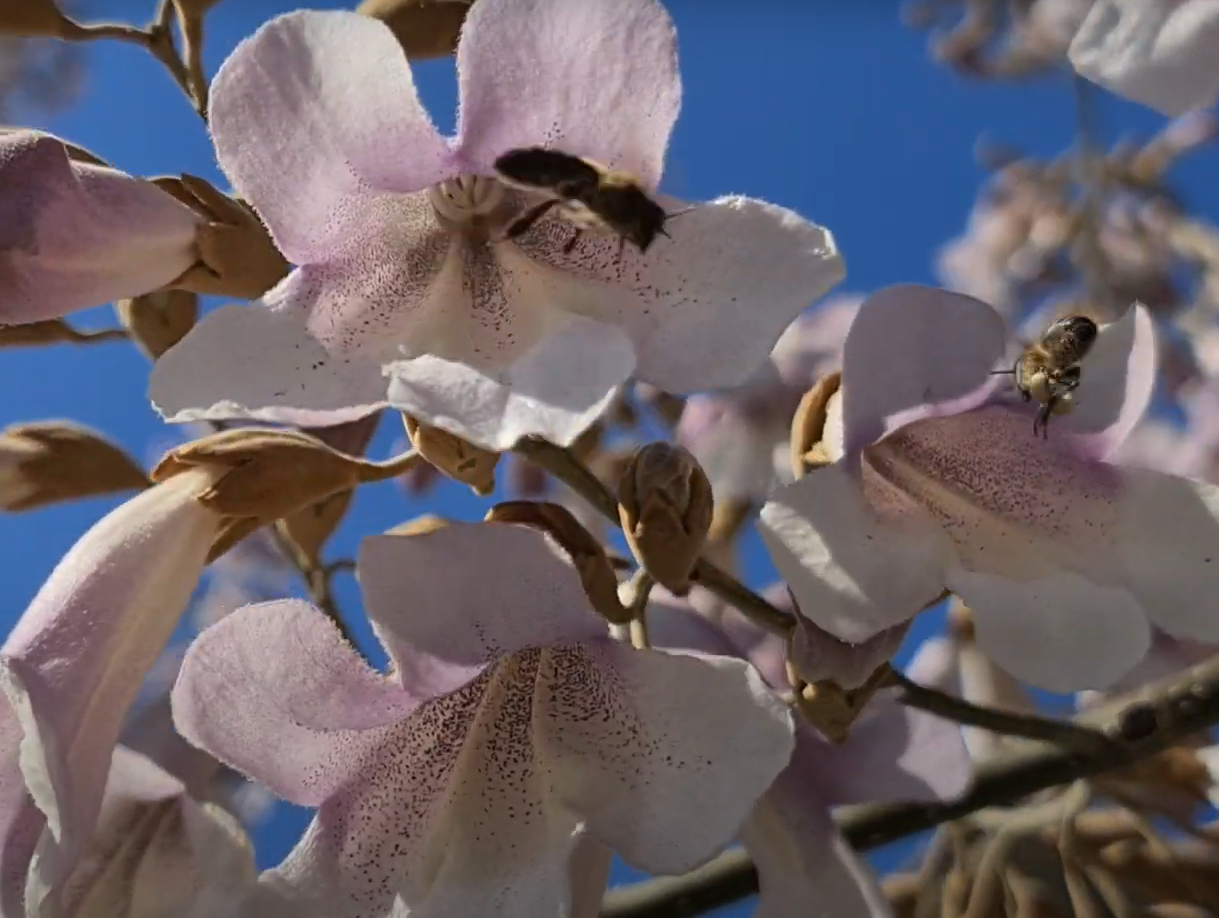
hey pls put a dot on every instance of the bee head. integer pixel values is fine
(1081, 330)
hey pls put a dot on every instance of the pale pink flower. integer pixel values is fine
(740, 435)
(893, 753)
(1064, 559)
(75, 234)
(510, 732)
(403, 296)
(1161, 53)
(75, 661)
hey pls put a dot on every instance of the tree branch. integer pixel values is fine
(1182, 705)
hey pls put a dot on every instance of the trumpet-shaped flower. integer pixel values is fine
(941, 484)
(75, 660)
(893, 753)
(407, 291)
(511, 739)
(1161, 53)
(75, 234)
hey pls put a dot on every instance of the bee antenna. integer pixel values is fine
(1002, 372)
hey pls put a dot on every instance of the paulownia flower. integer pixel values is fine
(406, 292)
(75, 234)
(511, 742)
(75, 660)
(1161, 53)
(942, 485)
(893, 753)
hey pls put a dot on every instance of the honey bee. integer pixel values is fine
(588, 194)
(1048, 370)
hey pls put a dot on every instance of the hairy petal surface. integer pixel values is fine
(76, 659)
(21, 822)
(1161, 53)
(915, 351)
(75, 235)
(704, 308)
(315, 115)
(598, 79)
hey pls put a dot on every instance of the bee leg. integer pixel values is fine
(1042, 420)
(621, 247)
(525, 221)
(571, 243)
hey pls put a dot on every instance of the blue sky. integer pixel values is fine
(830, 107)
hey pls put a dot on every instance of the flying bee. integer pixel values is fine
(589, 195)
(1048, 371)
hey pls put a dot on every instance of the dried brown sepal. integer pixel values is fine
(37, 334)
(829, 707)
(420, 525)
(232, 532)
(310, 528)
(666, 506)
(49, 462)
(32, 18)
(424, 28)
(158, 321)
(266, 474)
(808, 425)
(587, 554)
(237, 257)
(453, 456)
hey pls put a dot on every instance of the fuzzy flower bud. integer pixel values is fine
(665, 506)
(49, 462)
(424, 28)
(158, 321)
(808, 450)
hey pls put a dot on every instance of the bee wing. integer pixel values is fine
(537, 168)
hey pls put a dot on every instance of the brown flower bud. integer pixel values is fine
(158, 321)
(808, 426)
(424, 28)
(34, 18)
(831, 708)
(665, 507)
(49, 462)
(237, 257)
(452, 455)
(420, 525)
(587, 555)
(268, 474)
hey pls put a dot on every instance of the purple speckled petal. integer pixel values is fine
(21, 822)
(803, 862)
(314, 115)
(75, 235)
(75, 660)
(466, 594)
(894, 753)
(1161, 53)
(453, 813)
(705, 307)
(1118, 377)
(916, 351)
(275, 692)
(556, 389)
(1060, 632)
(855, 567)
(663, 754)
(596, 78)
(816, 654)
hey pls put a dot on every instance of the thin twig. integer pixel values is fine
(1185, 704)
(640, 588)
(1029, 726)
(563, 464)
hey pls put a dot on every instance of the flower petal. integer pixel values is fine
(894, 753)
(705, 307)
(598, 79)
(1169, 551)
(1118, 377)
(801, 857)
(75, 660)
(1060, 632)
(915, 351)
(1161, 53)
(850, 570)
(260, 362)
(467, 593)
(74, 234)
(313, 115)
(663, 754)
(452, 813)
(556, 390)
(21, 822)
(816, 654)
(275, 692)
